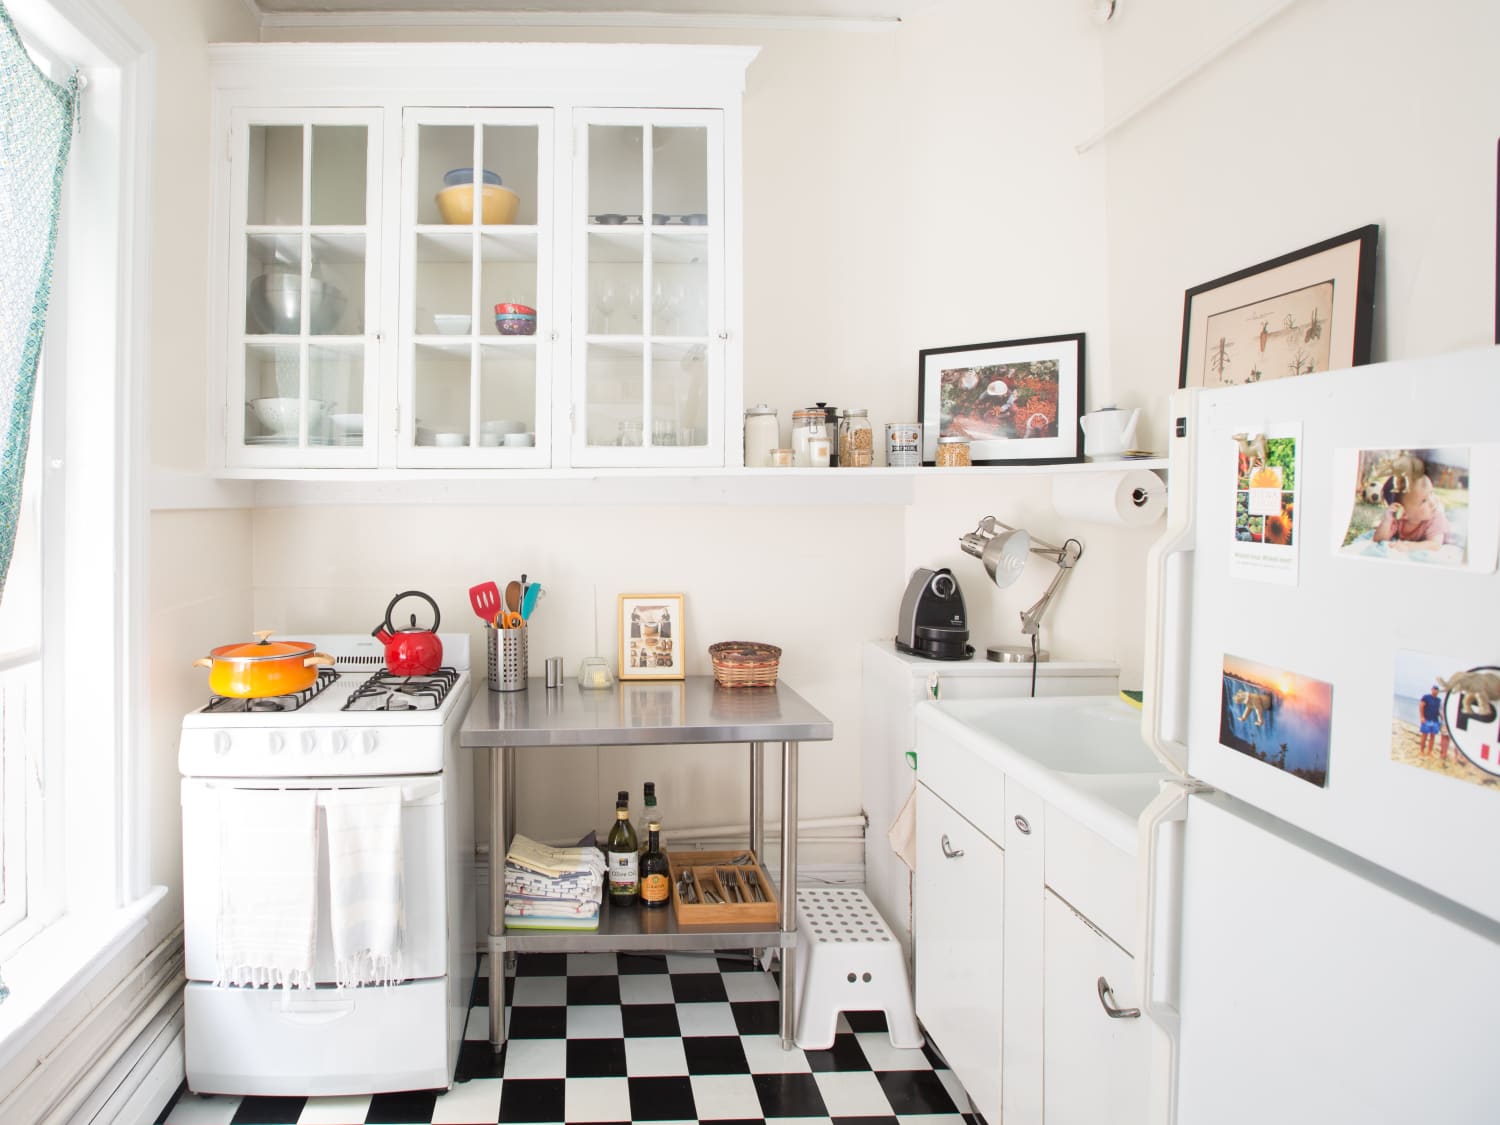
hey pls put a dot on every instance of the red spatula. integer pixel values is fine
(485, 598)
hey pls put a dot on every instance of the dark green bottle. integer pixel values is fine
(620, 852)
(656, 879)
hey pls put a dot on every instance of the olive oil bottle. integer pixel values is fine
(656, 880)
(621, 854)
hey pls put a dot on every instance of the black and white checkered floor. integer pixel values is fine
(600, 1037)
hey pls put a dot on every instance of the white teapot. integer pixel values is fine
(1108, 430)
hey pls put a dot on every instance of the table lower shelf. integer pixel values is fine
(635, 929)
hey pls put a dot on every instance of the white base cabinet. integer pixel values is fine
(1011, 946)
(959, 908)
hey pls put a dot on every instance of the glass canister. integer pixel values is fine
(856, 440)
(952, 451)
(762, 435)
(806, 425)
(630, 432)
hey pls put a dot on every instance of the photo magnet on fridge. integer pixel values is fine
(1278, 717)
(1446, 717)
(1266, 537)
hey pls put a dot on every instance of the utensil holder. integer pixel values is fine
(508, 665)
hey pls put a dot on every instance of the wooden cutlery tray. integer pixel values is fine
(706, 868)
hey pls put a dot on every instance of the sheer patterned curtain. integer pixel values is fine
(36, 128)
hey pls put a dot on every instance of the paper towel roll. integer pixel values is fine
(1127, 498)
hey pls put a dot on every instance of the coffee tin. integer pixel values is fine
(903, 443)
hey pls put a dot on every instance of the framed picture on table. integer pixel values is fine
(1307, 311)
(1016, 401)
(651, 637)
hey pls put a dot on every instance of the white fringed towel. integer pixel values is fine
(903, 831)
(268, 905)
(364, 878)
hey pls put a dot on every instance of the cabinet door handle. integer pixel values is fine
(1107, 998)
(949, 850)
(1023, 824)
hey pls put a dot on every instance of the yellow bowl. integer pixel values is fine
(498, 207)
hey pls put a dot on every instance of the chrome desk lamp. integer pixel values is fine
(1004, 551)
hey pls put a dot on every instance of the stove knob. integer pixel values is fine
(278, 742)
(340, 741)
(309, 741)
(370, 740)
(221, 742)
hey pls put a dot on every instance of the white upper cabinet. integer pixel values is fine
(513, 256)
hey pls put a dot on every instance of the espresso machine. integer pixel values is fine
(933, 622)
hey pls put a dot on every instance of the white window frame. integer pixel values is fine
(96, 814)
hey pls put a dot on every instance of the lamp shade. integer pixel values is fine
(1005, 556)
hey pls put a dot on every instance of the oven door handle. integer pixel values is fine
(312, 1011)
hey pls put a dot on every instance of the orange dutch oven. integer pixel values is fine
(263, 668)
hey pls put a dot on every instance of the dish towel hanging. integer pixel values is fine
(268, 908)
(903, 831)
(364, 879)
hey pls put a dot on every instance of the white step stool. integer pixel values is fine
(848, 961)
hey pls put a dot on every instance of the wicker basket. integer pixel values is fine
(745, 663)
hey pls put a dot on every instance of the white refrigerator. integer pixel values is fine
(1320, 887)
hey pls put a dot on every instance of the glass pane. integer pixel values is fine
(615, 283)
(273, 285)
(679, 175)
(507, 395)
(275, 180)
(336, 376)
(445, 283)
(510, 154)
(508, 277)
(614, 395)
(679, 395)
(336, 305)
(273, 386)
(442, 149)
(616, 174)
(338, 175)
(442, 394)
(679, 290)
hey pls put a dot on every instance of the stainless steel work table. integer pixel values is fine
(643, 713)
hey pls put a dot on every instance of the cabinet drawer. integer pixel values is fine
(973, 787)
(1096, 877)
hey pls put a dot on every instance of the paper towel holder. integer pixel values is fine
(1004, 553)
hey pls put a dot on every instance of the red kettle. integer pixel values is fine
(411, 651)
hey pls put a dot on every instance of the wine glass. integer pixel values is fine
(659, 306)
(606, 298)
(633, 302)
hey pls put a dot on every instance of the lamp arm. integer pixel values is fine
(1066, 557)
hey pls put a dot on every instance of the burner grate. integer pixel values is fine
(386, 692)
(230, 705)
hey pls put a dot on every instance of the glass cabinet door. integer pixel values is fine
(647, 223)
(304, 270)
(476, 288)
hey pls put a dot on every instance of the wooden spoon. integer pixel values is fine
(513, 596)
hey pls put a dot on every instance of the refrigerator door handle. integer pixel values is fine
(1167, 607)
(1157, 948)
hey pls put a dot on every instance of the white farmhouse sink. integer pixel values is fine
(1090, 734)
(1083, 754)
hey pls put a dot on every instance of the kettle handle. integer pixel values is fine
(436, 616)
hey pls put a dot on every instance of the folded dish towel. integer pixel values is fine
(268, 908)
(903, 831)
(364, 880)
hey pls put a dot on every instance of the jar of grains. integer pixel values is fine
(856, 441)
(952, 450)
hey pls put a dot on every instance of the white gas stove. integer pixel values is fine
(357, 728)
(357, 721)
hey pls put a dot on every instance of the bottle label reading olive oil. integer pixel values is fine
(655, 889)
(622, 873)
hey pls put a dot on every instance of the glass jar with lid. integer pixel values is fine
(806, 425)
(856, 440)
(762, 435)
(630, 432)
(952, 451)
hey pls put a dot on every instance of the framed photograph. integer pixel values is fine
(651, 637)
(1017, 401)
(1306, 311)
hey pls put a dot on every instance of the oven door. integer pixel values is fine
(423, 863)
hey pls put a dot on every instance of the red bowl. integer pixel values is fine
(510, 309)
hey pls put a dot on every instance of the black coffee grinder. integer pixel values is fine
(933, 622)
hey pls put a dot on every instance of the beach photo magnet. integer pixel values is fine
(1444, 717)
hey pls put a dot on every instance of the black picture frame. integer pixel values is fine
(1035, 423)
(1336, 276)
